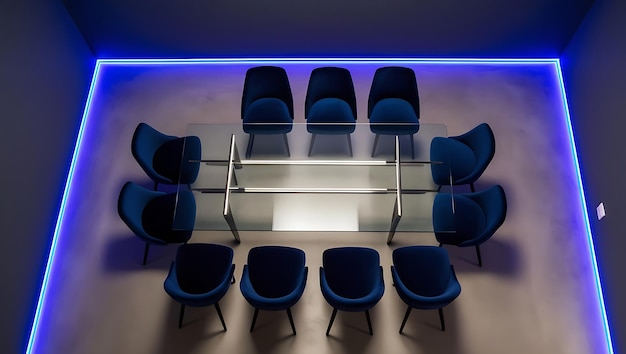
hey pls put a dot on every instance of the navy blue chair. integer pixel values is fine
(266, 104)
(200, 276)
(474, 219)
(393, 106)
(330, 104)
(156, 217)
(164, 158)
(274, 279)
(351, 279)
(424, 279)
(464, 158)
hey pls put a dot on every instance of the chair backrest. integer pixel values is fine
(157, 217)
(145, 143)
(275, 270)
(159, 155)
(493, 202)
(424, 270)
(330, 82)
(351, 272)
(266, 82)
(482, 142)
(200, 268)
(172, 159)
(394, 82)
(131, 204)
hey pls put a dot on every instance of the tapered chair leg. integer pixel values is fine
(312, 142)
(256, 313)
(293, 326)
(480, 260)
(332, 319)
(406, 317)
(286, 144)
(180, 317)
(369, 322)
(443, 324)
(249, 148)
(412, 147)
(145, 253)
(350, 145)
(375, 143)
(219, 313)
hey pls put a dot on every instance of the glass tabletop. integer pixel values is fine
(313, 178)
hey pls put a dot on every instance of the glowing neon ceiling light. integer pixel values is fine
(312, 60)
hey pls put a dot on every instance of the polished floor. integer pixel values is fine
(534, 294)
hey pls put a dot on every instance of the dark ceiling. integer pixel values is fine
(258, 28)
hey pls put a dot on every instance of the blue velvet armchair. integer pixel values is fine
(274, 279)
(351, 280)
(474, 219)
(200, 276)
(330, 104)
(156, 217)
(463, 158)
(266, 104)
(424, 279)
(164, 158)
(393, 106)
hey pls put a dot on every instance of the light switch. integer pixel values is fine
(600, 211)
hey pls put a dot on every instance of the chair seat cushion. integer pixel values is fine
(167, 158)
(271, 111)
(330, 110)
(467, 221)
(158, 220)
(393, 116)
(458, 160)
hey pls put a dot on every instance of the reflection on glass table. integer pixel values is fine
(318, 189)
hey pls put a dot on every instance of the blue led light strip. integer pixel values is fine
(41, 300)
(324, 61)
(469, 61)
(592, 252)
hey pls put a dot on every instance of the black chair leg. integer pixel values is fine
(311, 144)
(332, 319)
(406, 317)
(219, 313)
(443, 324)
(145, 253)
(233, 280)
(412, 147)
(350, 145)
(293, 326)
(369, 322)
(375, 143)
(480, 260)
(286, 144)
(256, 313)
(249, 148)
(180, 317)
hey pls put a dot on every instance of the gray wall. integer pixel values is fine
(593, 68)
(192, 28)
(45, 70)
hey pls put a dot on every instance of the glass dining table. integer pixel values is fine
(313, 178)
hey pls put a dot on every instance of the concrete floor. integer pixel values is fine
(534, 294)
